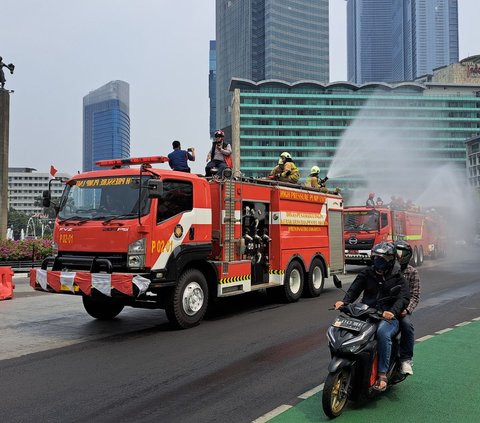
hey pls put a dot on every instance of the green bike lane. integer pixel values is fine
(445, 387)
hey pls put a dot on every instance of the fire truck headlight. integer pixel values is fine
(136, 261)
(136, 254)
(137, 247)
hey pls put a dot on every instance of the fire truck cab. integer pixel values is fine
(156, 238)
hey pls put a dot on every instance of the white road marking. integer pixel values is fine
(274, 413)
(311, 392)
(443, 331)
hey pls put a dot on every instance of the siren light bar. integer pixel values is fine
(132, 161)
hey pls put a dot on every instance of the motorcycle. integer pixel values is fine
(352, 372)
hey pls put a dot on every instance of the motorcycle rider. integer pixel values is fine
(376, 282)
(404, 253)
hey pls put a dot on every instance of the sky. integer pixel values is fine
(62, 50)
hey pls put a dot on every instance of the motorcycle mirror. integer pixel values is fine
(337, 282)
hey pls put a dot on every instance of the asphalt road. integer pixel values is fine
(59, 365)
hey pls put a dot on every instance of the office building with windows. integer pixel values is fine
(269, 39)
(106, 124)
(26, 186)
(310, 120)
(399, 40)
(473, 163)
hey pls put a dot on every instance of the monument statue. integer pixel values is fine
(10, 67)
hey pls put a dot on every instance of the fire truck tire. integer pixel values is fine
(415, 257)
(315, 279)
(188, 302)
(102, 308)
(421, 256)
(292, 287)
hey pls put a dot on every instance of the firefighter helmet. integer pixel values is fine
(219, 134)
(404, 253)
(286, 155)
(383, 257)
(314, 170)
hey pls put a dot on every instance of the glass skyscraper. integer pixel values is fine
(400, 40)
(212, 85)
(269, 39)
(106, 124)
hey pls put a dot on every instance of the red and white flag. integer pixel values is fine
(53, 171)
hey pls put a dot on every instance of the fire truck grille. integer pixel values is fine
(83, 261)
(359, 244)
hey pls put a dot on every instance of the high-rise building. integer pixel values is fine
(400, 40)
(212, 88)
(269, 39)
(106, 124)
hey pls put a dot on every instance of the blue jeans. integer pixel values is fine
(408, 338)
(385, 332)
(219, 164)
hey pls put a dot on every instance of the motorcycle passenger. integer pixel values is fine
(376, 283)
(404, 253)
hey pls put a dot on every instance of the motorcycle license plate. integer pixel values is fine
(350, 324)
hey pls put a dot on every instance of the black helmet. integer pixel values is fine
(383, 257)
(404, 253)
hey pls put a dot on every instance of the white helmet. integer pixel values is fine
(315, 169)
(286, 155)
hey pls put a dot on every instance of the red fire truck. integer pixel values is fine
(155, 238)
(366, 226)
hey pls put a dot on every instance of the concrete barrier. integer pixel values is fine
(6, 283)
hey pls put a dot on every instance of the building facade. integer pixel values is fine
(26, 186)
(400, 40)
(473, 163)
(106, 124)
(269, 39)
(310, 120)
(212, 85)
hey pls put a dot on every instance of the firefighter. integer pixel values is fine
(314, 180)
(285, 171)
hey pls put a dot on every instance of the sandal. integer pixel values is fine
(381, 384)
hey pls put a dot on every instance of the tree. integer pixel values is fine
(18, 221)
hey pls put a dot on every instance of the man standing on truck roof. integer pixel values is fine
(178, 158)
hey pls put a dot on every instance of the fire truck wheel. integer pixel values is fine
(315, 279)
(421, 256)
(102, 308)
(292, 287)
(188, 301)
(415, 257)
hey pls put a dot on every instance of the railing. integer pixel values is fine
(21, 265)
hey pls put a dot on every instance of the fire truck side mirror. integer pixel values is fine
(155, 188)
(46, 199)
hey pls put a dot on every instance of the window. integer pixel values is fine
(177, 197)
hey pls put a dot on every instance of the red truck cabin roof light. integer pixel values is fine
(132, 161)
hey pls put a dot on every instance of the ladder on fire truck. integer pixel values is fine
(230, 220)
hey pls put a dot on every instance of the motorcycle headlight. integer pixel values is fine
(351, 349)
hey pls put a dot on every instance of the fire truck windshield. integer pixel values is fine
(104, 198)
(361, 220)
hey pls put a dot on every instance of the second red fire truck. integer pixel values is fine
(154, 238)
(366, 226)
